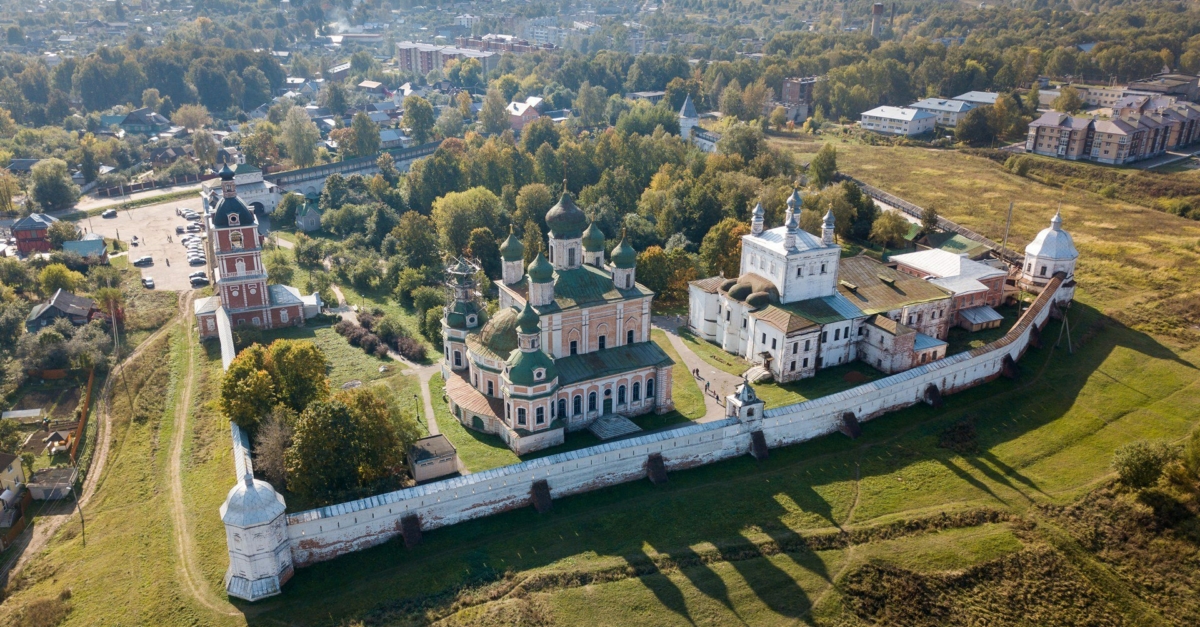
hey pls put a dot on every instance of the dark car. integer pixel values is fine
(179, 230)
(143, 261)
(199, 281)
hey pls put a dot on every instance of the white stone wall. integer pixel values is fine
(324, 533)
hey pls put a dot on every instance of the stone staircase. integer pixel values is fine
(758, 374)
(612, 426)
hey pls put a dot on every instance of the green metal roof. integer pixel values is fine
(512, 249)
(521, 366)
(593, 239)
(588, 285)
(540, 270)
(624, 256)
(824, 310)
(528, 321)
(609, 361)
(499, 335)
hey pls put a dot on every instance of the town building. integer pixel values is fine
(569, 347)
(145, 121)
(690, 129)
(979, 98)
(308, 214)
(1142, 127)
(948, 113)
(12, 475)
(904, 121)
(78, 310)
(239, 277)
(91, 247)
(798, 307)
(799, 90)
(424, 58)
(32, 233)
(520, 114)
(260, 196)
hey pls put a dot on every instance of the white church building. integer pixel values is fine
(798, 306)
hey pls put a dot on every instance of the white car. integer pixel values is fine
(148, 283)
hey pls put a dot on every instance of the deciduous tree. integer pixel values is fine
(418, 118)
(300, 137)
(721, 248)
(52, 187)
(824, 166)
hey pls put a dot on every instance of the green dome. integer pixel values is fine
(458, 313)
(623, 256)
(499, 335)
(528, 321)
(512, 249)
(522, 366)
(593, 239)
(565, 219)
(540, 270)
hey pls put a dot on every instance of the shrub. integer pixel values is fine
(344, 328)
(366, 320)
(381, 351)
(356, 335)
(410, 349)
(1109, 191)
(369, 341)
(1140, 464)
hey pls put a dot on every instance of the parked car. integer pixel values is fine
(179, 230)
(198, 274)
(148, 283)
(199, 281)
(193, 228)
(111, 213)
(143, 261)
(196, 261)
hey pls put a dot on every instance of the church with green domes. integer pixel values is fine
(569, 348)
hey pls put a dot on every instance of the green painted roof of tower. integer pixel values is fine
(593, 239)
(528, 321)
(512, 249)
(499, 335)
(540, 270)
(565, 219)
(522, 366)
(624, 256)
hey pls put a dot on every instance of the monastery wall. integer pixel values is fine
(327, 532)
(324, 533)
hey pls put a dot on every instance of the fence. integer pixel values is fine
(83, 416)
(1011, 256)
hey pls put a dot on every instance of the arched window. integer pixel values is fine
(457, 359)
(240, 265)
(649, 389)
(571, 257)
(235, 240)
(540, 414)
(521, 416)
(628, 281)
(637, 391)
(491, 389)
(592, 401)
(629, 336)
(621, 395)
(578, 404)
(602, 341)
(562, 407)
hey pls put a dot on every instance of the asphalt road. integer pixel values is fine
(152, 225)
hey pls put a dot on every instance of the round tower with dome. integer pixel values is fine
(1051, 252)
(569, 347)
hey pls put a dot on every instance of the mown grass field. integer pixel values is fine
(758, 543)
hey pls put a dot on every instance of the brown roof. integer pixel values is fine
(472, 400)
(431, 447)
(880, 289)
(783, 320)
(885, 323)
(710, 285)
(6, 459)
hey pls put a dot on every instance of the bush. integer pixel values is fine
(366, 320)
(1109, 191)
(369, 341)
(410, 349)
(344, 328)
(355, 335)
(1140, 464)
(381, 351)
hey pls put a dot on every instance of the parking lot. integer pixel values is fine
(152, 225)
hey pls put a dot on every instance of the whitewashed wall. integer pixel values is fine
(324, 533)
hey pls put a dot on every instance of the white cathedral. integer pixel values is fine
(798, 306)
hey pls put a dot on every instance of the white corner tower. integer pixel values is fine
(756, 220)
(260, 557)
(1051, 252)
(512, 259)
(688, 118)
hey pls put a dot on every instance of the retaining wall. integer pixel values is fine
(324, 533)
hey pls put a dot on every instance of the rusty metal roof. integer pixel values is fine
(880, 289)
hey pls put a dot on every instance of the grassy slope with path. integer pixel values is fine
(1046, 438)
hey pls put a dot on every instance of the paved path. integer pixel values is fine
(721, 383)
(424, 373)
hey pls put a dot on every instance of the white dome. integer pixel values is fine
(251, 502)
(1052, 243)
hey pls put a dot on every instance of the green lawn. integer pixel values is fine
(714, 355)
(828, 381)
(347, 363)
(477, 451)
(960, 339)
(689, 399)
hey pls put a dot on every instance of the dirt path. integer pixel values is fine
(192, 578)
(46, 526)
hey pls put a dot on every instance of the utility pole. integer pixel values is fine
(1007, 226)
(82, 526)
